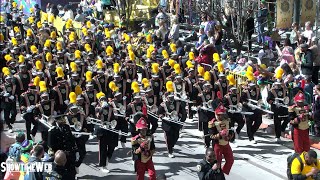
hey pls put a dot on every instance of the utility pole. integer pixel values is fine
(296, 11)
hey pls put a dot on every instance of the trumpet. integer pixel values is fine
(285, 101)
(109, 126)
(173, 117)
(182, 97)
(258, 105)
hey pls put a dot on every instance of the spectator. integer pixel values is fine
(249, 24)
(308, 88)
(218, 34)
(294, 35)
(174, 31)
(211, 37)
(286, 53)
(6, 140)
(262, 20)
(202, 36)
(305, 166)
(241, 65)
(209, 27)
(294, 68)
(308, 33)
(231, 65)
(287, 73)
(206, 53)
(80, 17)
(106, 4)
(37, 12)
(61, 11)
(306, 61)
(99, 10)
(36, 155)
(315, 49)
(68, 13)
(180, 49)
(265, 54)
(316, 110)
(58, 167)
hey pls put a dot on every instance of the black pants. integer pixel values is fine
(10, 115)
(154, 123)
(172, 137)
(315, 74)
(253, 123)
(278, 127)
(29, 118)
(81, 144)
(236, 118)
(105, 150)
(249, 34)
(70, 167)
(123, 126)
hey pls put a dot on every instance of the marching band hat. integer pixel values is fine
(45, 94)
(142, 124)
(74, 75)
(220, 109)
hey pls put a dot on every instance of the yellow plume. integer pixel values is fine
(169, 86)
(73, 67)
(113, 86)
(177, 68)
(84, 31)
(149, 52)
(43, 86)
(14, 4)
(33, 49)
(31, 10)
(8, 57)
(14, 41)
(16, 29)
(231, 80)
(1, 19)
(189, 64)
(126, 37)
(87, 47)
(135, 87)
(165, 54)
(132, 56)
(29, 32)
(207, 76)
(109, 50)
(60, 72)
(173, 47)
(31, 20)
(191, 55)
(116, 68)
(48, 56)
(88, 23)
(263, 66)
(279, 73)
(201, 71)
(21, 7)
(220, 67)
(53, 35)
(77, 54)
(249, 68)
(21, 59)
(171, 62)
(216, 57)
(68, 25)
(36, 81)
(1, 37)
(250, 76)
(151, 47)
(149, 38)
(100, 95)
(145, 83)
(6, 71)
(88, 76)
(39, 65)
(129, 47)
(71, 37)
(39, 24)
(47, 43)
(78, 90)
(155, 68)
(59, 46)
(73, 98)
(44, 16)
(99, 64)
(107, 33)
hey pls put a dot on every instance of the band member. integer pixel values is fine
(171, 110)
(8, 104)
(90, 98)
(108, 140)
(276, 99)
(221, 134)
(299, 118)
(100, 80)
(61, 92)
(151, 102)
(136, 109)
(119, 105)
(156, 82)
(28, 101)
(51, 74)
(222, 83)
(206, 111)
(232, 100)
(23, 78)
(143, 149)
(60, 138)
(251, 92)
(190, 89)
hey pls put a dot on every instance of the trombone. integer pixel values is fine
(109, 126)
(173, 117)
(182, 97)
(238, 109)
(285, 101)
(152, 111)
(44, 120)
(207, 106)
(258, 105)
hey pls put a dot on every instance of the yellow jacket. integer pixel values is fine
(296, 167)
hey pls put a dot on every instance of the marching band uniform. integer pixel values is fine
(190, 89)
(61, 92)
(299, 118)
(100, 80)
(156, 83)
(280, 112)
(221, 134)
(108, 140)
(171, 129)
(8, 103)
(60, 137)
(143, 149)
(222, 84)
(28, 101)
(205, 99)
(23, 78)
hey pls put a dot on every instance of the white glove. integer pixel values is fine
(66, 102)
(77, 156)
(11, 97)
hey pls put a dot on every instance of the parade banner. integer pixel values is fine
(308, 11)
(284, 13)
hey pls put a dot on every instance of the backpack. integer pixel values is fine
(290, 159)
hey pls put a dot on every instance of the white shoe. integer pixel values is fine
(171, 155)
(105, 169)
(277, 140)
(233, 144)
(10, 131)
(123, 145)
(237, 136)
(77, 170)
(33, 137)
(253, 142)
